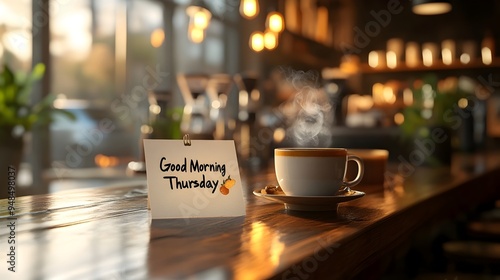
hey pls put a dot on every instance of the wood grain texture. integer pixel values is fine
(106, 233)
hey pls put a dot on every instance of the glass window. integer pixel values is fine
(82, 49)
(106, 57)
(207, 56)
(102, 52)
(15, 34)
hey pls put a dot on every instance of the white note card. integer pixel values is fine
(193, 181)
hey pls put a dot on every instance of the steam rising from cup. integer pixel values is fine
(309, 111)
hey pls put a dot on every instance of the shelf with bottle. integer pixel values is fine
(438, 66)
(448, 55)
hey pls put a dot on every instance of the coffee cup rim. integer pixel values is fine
(310, 152)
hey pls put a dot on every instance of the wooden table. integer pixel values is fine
(106, 233)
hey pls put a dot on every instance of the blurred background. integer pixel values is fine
(341, 73)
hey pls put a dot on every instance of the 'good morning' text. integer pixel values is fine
(194, 166)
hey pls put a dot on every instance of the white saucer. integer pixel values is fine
(311, 203)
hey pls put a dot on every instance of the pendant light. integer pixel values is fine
(257, 41)
(270, 40)
(431, 7)
(199, 16)
(196, 35)
(275, 22)
(199, 19)
(249, 9)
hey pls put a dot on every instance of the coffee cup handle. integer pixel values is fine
(361, 171)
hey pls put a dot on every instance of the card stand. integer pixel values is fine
(186, 139)
(193, 181)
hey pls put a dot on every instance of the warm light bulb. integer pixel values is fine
(448, 51)
(257, 41)
(463, 103)
(157, 37)
(427, 57)
(465, 58)
(200, 20)
(275, 22)
(392, 59)
(433, 8)
(279, 135)
(199, 17)
(447, 56)
(249, 8)
(399, 118)
(373, 59)
(388, 95)
(270, 40)
(196, 35)
(487, 56)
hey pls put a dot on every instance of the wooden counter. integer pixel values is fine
(106, 233)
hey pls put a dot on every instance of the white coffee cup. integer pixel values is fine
(314, 171)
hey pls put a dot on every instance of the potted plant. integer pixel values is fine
(427, 131)
(18, 115)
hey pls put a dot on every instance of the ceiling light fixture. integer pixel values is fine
(249, 9)
(199, 19)
(196, 35)
(199, 16)
(257, 41)
(275, 22)
(431, 7)
(270, 40)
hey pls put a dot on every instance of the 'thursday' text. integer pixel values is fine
(194, 166)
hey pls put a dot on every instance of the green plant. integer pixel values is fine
(17, 113)
(433, 104)
(167, 126)
(428, 128)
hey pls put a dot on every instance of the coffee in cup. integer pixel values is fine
(314, 171)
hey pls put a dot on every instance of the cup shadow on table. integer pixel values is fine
(344, 214)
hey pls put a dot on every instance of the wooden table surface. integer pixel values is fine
(106, 233)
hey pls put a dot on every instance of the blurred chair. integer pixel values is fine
(479, 251)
